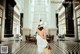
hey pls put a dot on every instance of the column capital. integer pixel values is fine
(12, 2)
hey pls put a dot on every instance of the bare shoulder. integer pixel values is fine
(44, 30)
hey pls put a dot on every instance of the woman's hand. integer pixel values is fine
(44, 38)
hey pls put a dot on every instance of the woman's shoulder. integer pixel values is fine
(44, 28)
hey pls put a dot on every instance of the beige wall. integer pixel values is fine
(53, 32)
(26, 20)
(52, 25)
(26, 31)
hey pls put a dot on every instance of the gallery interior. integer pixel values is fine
(19, 20)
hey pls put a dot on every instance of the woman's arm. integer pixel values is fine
(44, 34)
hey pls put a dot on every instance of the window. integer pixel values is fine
(78, 21)
(41, 11)
(78, 17)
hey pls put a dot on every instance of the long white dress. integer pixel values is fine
(41, 43)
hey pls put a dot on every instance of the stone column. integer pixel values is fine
(21, 23)
(57, 22)
(9, 18)
(69, 19)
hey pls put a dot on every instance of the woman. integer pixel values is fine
(41, 39)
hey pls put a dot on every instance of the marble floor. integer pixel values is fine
(58, 47)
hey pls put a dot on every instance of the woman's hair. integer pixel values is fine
(40, 28)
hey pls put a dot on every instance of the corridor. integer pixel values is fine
(20, 19)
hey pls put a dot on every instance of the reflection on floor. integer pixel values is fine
(60, 47)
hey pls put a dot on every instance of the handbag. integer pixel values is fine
(49, 47)
(47, 50)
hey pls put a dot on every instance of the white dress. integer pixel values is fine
(41, 43)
